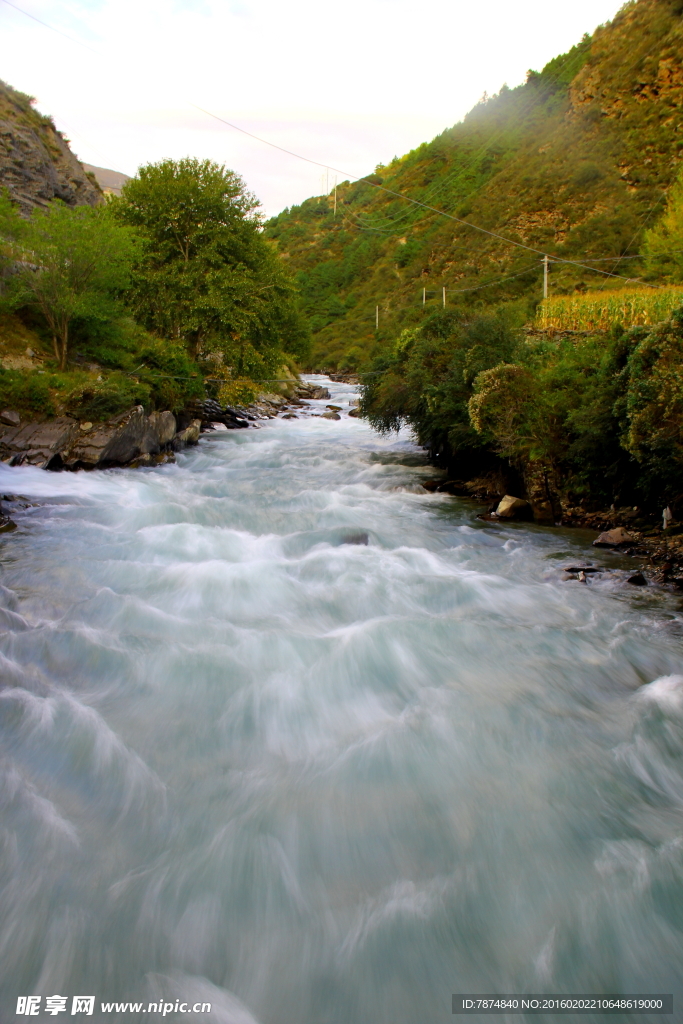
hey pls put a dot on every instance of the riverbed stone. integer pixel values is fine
(330, 415)
(188, 436)
(10, 418)
(616, 538)
(510, 507)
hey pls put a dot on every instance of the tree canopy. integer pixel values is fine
(69, 263)
(208, 277)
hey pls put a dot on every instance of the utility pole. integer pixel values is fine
(545, 277)
(424, 296)
(444, 296)
(376, 318)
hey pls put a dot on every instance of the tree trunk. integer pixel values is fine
(64, 347)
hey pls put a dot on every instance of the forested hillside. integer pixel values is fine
(576, 163)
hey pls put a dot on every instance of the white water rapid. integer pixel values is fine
(283, 732)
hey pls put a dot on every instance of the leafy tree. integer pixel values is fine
(654, 405)
(664, 242)
(74, 263)
(208, 277)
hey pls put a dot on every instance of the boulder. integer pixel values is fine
(355, 412)
(188, 436)
(637, 580)
(543, 513)
(330, 415)
(510, 507)
(10, 418)
(115, 442)
(614, 539)
(305, 389)
(163, 425)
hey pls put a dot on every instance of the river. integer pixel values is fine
(283, 732)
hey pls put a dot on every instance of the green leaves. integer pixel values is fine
(73, 262)
(207, 276)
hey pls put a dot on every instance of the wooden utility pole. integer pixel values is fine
(444, 296)
(376, 318)
(545, 277)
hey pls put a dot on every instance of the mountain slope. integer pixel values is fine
(108, 180)
(576, 162)
(36, 164)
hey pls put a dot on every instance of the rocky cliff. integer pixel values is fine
(36, 164)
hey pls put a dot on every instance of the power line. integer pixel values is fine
(399, 195)
(79, 42)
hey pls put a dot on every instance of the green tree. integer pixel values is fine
(72, 263)
(208, 276)
(664, 242)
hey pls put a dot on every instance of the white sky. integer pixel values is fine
(349, 84)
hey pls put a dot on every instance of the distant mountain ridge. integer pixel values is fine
(576, 162)
(36, 164)
(111, 182)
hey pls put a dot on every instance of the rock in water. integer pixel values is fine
(513, 508)
(361, 537)
(355, 412)
(638, 580)
(614, 538)
(329, 415)
(190, 435)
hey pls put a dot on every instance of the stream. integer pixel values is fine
(282, 732)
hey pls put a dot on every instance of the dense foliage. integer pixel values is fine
(597, 419)
(208, 277)
(165, 295)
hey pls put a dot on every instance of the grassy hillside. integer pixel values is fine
(576, 162)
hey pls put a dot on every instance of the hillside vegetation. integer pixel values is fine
(576, 163)
(165, 294)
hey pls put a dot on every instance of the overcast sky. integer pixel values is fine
(349, 84)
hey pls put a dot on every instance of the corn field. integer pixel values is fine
(598, 311)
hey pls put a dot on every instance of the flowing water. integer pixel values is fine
(283, 732)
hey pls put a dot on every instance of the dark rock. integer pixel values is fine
(290, 416)
(361, 537)
(454, 487)
(306, 390)
(7, 525)
(582, 568)
(543, 513)
(10, 418)
(355, 412)
(335, 408)
(637, 580)
(36, 164)
(429, 485)
(329, 415)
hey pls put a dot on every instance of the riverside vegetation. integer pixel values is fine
(160, 297)
(576, 401)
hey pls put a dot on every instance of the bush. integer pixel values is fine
(26, 393)
(101, 399)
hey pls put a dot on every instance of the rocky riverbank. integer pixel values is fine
(133, 437)
(626, 531)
